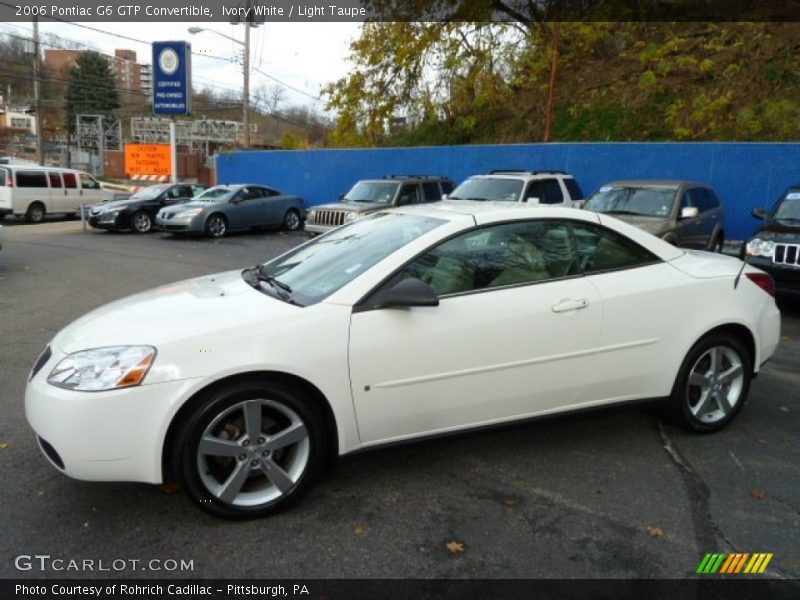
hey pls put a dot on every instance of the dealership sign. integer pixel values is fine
(172, 78)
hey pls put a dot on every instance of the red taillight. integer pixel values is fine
(764, 281)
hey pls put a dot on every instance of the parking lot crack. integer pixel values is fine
(708, 534)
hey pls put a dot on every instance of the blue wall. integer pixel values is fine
(745, 175)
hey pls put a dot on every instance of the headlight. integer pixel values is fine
(191, 212)
(312, 214)
(102, 369)
(759, 247)
(351, 216)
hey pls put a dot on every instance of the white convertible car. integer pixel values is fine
(410, 322)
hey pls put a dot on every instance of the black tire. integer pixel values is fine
(688, 398)
(36, 213)
(216, 226)
(219, 412)
(141, 222)
(292, 221)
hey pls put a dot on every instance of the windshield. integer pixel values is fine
(317, 269)
(789, 208)
(372, 191)
(488, 188)
(211, 194)
(644, 201)
(149, 192)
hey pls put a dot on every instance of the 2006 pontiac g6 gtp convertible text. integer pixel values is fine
(410, 322)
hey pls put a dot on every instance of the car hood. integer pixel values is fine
(112, 204)
(358, 207)
(654, 225)
(189, 205)
(779, 232)
(207, 306)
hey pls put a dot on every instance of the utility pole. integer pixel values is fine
(36, 100)
(246, 90)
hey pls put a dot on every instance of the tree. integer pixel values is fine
(92, 87)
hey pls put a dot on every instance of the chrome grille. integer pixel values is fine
(331, 218)
(787, 254)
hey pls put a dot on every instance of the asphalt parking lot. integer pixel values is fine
(614, 493)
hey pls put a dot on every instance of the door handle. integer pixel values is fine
(570, 304)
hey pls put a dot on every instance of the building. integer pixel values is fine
(16, 118)
(146, 79)
(123, 63)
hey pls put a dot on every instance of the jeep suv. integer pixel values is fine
(554, 188)
(371, 195)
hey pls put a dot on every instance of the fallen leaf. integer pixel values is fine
(655, 532)
(455, 547)
(360, 529)
(170, 487)
(513, 501)
(758, 494)
(783, 409)
(785, 338)
(3, 445)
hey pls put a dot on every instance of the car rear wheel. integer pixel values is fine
(36, 213)
(142, 222)
(251, 450)
(216, 226)
(292, 220)
(712, 384)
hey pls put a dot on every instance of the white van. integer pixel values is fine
(34, 191)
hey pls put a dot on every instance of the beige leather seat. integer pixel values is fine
(526, 264)
(558, 252)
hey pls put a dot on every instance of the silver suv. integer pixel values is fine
(554, 188)
(371, 195)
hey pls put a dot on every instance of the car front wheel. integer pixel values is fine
(141, 222)
(216, 226)
(712, 384)
(251, 450)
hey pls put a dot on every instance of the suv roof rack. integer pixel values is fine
(413, 177)
(541, 172)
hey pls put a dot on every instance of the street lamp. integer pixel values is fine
(246, 85)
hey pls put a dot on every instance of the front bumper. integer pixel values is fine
(109, 223)
(317, 228)
(196, 224)
(787, 278)
(104, 436)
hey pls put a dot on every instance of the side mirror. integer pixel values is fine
(689, 212)
(533, 200)
(759, 213)
(444, 196)
(409, 292)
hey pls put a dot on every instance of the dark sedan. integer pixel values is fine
(775, 246)
(225, 208)
(138, 212)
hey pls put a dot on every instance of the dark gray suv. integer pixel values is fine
(370, 195)
(684, 213)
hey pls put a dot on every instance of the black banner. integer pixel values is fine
(733, 588)
(520, 11)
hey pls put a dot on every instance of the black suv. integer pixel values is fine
(370, 195)
(774, 247)
(139, 211)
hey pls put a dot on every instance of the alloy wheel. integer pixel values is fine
(216, 226)
(142, 222)
(253, 452)
(292, 221)
(715, 384)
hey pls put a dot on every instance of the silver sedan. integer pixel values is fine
(226, 208)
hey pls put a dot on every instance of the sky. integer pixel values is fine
(304, 56)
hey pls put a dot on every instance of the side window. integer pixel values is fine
(69, 180)
(3, 177)
(55, 180)
(602, 249)
(552, 192)
(499, 255)
(693, 197)
(176, 192)
(573, 188)
(431, 191)
(409, 194)
(31, 179)
(196, 190)
(447, 187)
(88, 182)
(270, 192)
(711, 198)
(535, 190)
